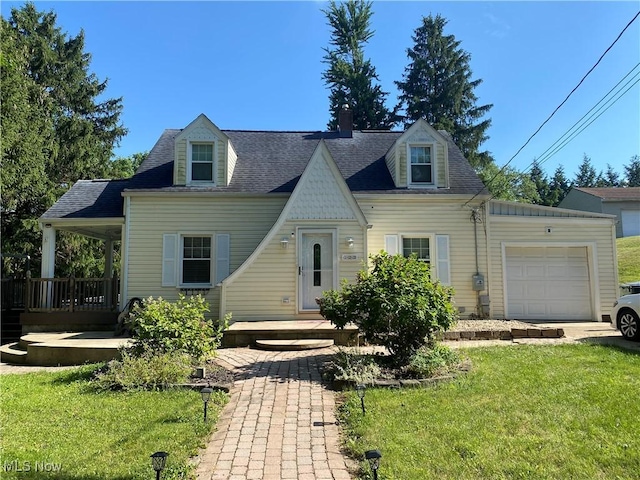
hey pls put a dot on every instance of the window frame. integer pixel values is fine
(421, 236)
(433, 153)
(181, 260)
(190, 162)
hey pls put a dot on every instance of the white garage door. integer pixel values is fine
(630, 223)
(548, 283)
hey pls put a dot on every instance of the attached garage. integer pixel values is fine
(547, 283)
(548, 263)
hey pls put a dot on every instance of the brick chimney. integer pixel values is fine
(345, 122)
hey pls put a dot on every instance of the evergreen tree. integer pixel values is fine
(57, 124)
(437, 86)
(541, 182)
(351, 78)
(632, 172)
(558, 187)
(586, 176)
(611, 178)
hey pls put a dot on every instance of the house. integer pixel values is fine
(624, 203)
(262, 222)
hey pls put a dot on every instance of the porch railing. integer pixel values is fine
(71, 294)
(13, 293)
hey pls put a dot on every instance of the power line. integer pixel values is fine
(544, 156)
(556, 109)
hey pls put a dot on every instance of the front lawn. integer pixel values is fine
(523, 412)
(54, 425)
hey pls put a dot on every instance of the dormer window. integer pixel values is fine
(421, 165)
(202, 162)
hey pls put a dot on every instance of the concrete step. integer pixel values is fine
(290, 345)
(12, 353)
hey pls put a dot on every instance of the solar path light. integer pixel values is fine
(206, 395)
(361, 390)
(158, 462)
(373, 457)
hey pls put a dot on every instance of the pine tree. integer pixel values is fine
(541, 182)
(632, 172)
(351, 78)
(611, 178)
(58, 126)
(586, 176)
(558, 187)
(437, 86)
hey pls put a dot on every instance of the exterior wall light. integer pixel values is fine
(284, 243)
(350, 242)
(158, 462)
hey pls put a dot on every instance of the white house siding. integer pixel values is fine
(247, 220)
(413, 214)
(594, 234)
(390, 159)
(180, 169)
(261, 291)
(232, 158)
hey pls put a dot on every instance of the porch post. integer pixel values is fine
(108, 272)
(108, 260)
(47, 269)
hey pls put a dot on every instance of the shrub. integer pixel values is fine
(146, 370)
(395, 304)
(431, 360)
(353, 366)
(161, 326)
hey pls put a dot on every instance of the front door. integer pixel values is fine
(316, 267)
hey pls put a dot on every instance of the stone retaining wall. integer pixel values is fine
(514, 333)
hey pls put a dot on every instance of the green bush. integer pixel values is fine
(395, 305)
(432, 360)
(164, 327)
(146, 370)
(352, 366)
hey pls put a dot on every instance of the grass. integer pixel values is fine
(57, 420)
(628, 255)
(557, 412)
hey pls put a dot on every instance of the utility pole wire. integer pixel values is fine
(544, 156)
(556, 109)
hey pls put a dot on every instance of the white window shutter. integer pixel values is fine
(169, 259)
(443, 268)
(222, 256)
(391, 244)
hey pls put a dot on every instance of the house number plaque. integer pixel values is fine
(350, 257)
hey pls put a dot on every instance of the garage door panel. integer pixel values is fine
(549, 283)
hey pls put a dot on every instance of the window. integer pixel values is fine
(317, 265)
(202, 162)
(421, 165)
(196, 260)
(418, 246)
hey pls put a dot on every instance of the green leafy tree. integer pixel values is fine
(125, 167)
(632, 172)
(558, 187)
(394, 304)
(57, 125)
(508, 184)
(351, 78)
(437, 85)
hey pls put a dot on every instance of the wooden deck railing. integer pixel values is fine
(71, 294)
(13, 292)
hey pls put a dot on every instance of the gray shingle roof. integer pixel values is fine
(613, 193)
(90, 199)
(268, 162)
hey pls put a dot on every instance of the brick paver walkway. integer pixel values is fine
(279, 423)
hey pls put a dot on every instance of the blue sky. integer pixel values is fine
(258, 66)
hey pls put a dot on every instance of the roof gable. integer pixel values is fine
(322, 193)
